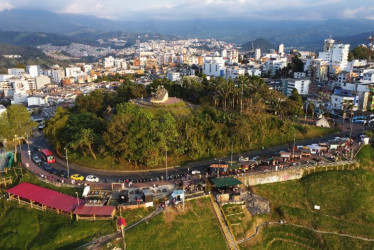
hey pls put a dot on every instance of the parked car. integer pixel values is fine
(54, 171)
(36, 159)
(77, 177)
(195, 172)
(92, 178)
(63, 174)
(47, 167)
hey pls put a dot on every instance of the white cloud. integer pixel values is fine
(192, 9)
(5, 6)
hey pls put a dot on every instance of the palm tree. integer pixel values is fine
(242, 81)
(346, 106)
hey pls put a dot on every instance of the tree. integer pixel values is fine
(92, 103)
(56, 127)
(359, 52)
(297, 101)
(84, 140)
(15, 123)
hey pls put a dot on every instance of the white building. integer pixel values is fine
(57, 74)
(16, 71)
(258, 54)
(341, 97)
(214, 66)
(368, 76)
(4, 77)
(33, 70)
(173, 76)
(42, 81)
(36, 100)
(299, 75)
(73, 71)
(109, 62)
(7, 88)
(87, 68)
(281, 49)
(302, 86)
(273, 65)
(193, 60)
(234, 72)
(336, 55)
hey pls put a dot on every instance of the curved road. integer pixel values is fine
(114, 176)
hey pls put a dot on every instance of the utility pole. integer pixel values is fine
(350, 132)
(219, 164)
(231, 152)
(67, 160)
(166, 163)
(293, 147)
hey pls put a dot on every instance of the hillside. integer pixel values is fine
(345, 199)
(29, 56)
(297, 33)
(44, 21)
(33, 38)
(261, 43)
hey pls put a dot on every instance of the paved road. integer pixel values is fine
(114, 176)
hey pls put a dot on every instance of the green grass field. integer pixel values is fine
(346, 199)
(25, 228)
(196, 228)
(366, 156)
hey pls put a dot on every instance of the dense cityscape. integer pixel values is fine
(133, 138)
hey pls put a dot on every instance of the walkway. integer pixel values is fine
(96, 243)
(226, 231)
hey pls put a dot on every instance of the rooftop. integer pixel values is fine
(225, 182)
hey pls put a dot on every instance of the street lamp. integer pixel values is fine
(28, 146)
(166, 163)
(67, 160)
(77, 198)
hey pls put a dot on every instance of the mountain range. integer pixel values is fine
(299, 34)
(259, 43)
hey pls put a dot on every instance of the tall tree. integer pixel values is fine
(84, 140)
(15, 123)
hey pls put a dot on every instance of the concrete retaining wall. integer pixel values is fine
(292, 173)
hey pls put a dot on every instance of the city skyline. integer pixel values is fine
(193, 9)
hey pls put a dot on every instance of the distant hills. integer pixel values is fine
(30, 55)
(49, 22)
(298, 34)
(33, 38)
(261, 43)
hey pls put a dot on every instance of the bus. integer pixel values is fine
(48, 156)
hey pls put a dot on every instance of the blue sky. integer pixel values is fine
(192, 9)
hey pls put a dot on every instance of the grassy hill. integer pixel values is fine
(346, 199)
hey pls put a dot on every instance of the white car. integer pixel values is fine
(195, 172)
(92, 178)
(36, 159)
